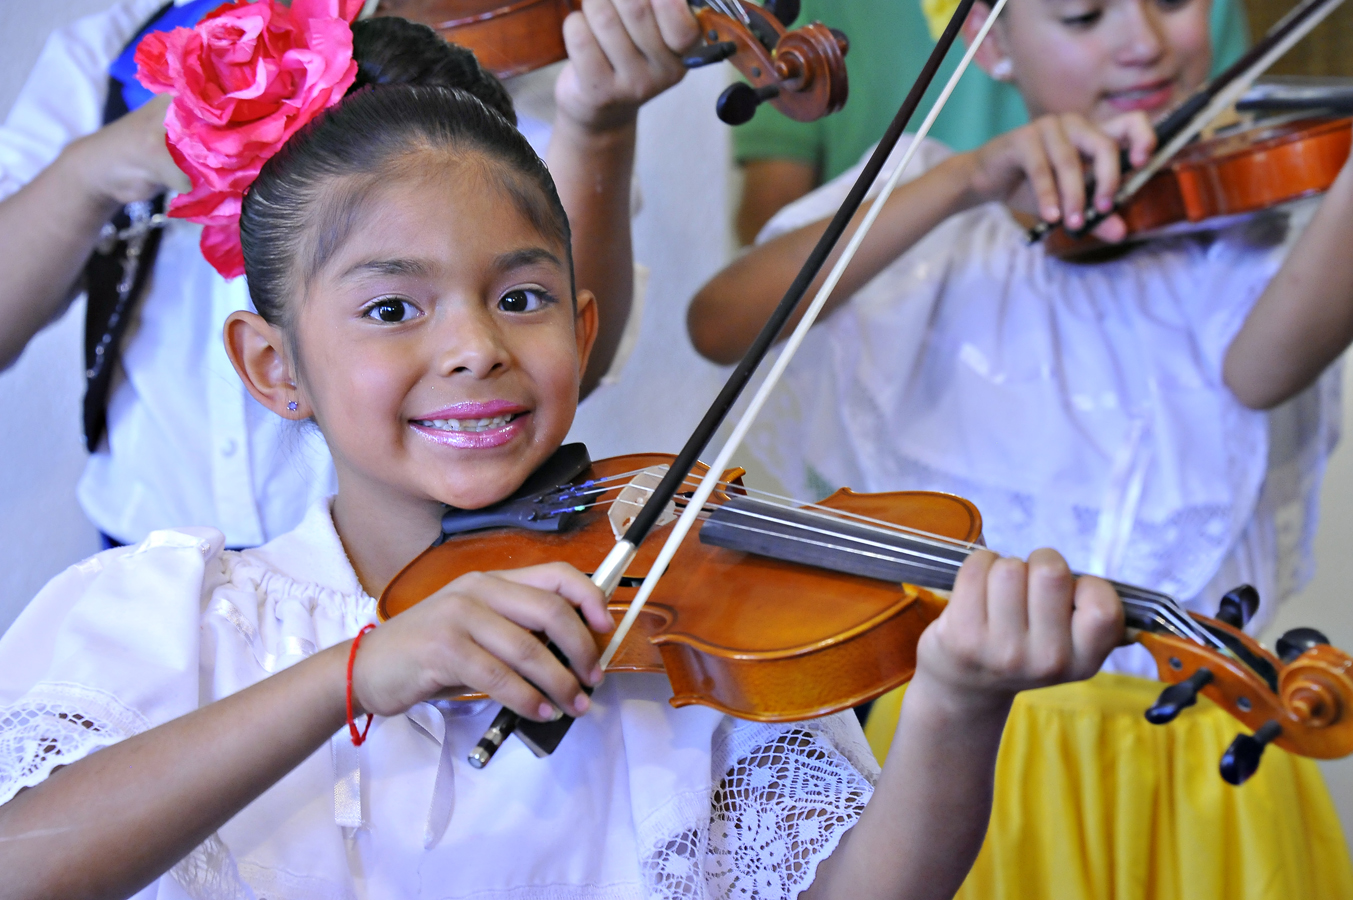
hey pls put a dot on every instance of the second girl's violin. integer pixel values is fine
(1243, 172)
(783, 612)
(801, 72)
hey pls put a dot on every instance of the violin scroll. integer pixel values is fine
(802, 72)
(1300, 701)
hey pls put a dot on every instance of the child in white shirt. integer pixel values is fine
(409, 260)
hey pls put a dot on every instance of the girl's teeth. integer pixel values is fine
(468, 424)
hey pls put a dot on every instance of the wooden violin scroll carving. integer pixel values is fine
(1300, 701)
(802, 73)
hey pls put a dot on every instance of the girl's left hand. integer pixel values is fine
(621, 54)
(1010, 626)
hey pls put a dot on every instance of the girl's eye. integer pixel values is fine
(1083, 20)
(524, 300)
(391, 310)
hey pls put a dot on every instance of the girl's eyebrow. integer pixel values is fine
(527, 256)
(410, 267)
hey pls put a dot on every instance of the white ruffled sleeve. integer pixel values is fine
(109, 648)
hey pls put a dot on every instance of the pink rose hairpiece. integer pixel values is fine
(244, 80)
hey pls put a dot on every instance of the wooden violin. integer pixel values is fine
(801, 72)
(783, 613)
(1243, 172)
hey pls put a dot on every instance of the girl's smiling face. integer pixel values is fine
(1103, 58)
(437, 346)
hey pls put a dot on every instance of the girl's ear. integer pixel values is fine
(585, 327)
(992, 56)
(257, 350)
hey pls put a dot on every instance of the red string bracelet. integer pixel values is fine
(357, 737)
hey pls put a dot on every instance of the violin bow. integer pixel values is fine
(1204, 105)
(543, 737)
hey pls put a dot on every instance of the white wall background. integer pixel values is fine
(681, 233)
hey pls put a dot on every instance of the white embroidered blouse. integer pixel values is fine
(640, 801)
(1079, 406)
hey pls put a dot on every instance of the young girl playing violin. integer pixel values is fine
(409, 261)
(1110, 410)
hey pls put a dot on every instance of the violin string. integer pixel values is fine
(1163, 611)
(1160, 607)
(784, 501)
(720, 464)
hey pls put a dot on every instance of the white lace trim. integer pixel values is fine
(785, 796)
(209, 873)
(56, 724)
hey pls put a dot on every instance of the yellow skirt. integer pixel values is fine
(1092, 802)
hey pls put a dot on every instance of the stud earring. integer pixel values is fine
(1003, 69)
(292, 406)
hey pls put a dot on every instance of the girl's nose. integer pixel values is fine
(472, 345)
(1141, 37)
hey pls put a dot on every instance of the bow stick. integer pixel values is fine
(542, 738)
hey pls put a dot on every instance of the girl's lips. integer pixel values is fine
(474, 409)
(474, 438)
(1147, 97)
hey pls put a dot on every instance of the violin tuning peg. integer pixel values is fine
(1297, 641)
(1241, 759)
(784, 10)
(1178, 697)
(738, 103)
(1238, 606)
(708, 54)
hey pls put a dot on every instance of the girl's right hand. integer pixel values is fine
(1042, 166)
(128, 160)
(480, 632)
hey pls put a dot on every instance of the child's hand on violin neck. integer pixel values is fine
(1042, 167)
(621, 54)
(480, 632)
(1011, 625)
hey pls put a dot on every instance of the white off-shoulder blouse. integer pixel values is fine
(641, 800)
(1080, 406)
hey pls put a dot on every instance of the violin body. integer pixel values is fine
(802, 72)
(1237, 174)
(783, 613)
(753, 637)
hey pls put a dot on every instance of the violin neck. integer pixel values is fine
(860, 547)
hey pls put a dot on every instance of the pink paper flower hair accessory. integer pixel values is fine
(244, 80)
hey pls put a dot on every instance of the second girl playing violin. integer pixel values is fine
(1110, 410)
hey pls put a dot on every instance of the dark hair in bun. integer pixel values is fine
(390, 50)
(414, 92)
